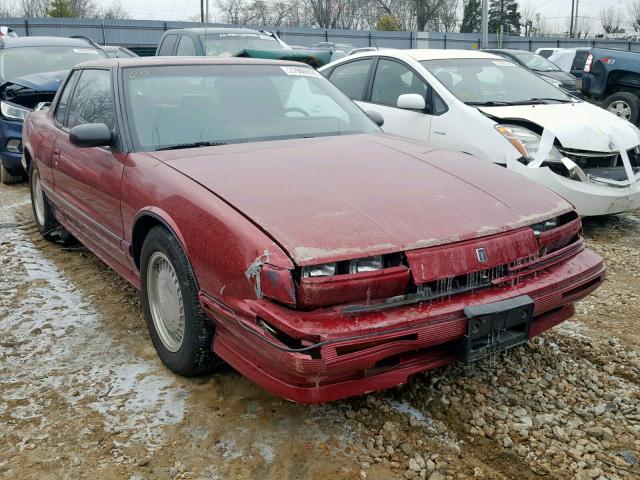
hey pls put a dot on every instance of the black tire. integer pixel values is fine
(195, 355)
(630, 100)
(6, 178)
(48, 226)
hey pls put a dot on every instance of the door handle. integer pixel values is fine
(439, 133)
(56, 151)
(55, 156)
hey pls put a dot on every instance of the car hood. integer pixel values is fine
(564, 77)
(335, 198)
(41, 82)
(580, 125)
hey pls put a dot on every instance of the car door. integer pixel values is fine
(88, 180)
(391, 79)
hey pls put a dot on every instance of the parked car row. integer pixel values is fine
(268, 219)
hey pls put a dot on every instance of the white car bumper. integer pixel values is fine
(590, 199)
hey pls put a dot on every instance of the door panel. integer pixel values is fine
(392, 79)
(88, 180)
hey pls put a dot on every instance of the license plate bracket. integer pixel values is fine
(495, 327)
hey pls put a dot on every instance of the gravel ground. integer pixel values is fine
(83, 395)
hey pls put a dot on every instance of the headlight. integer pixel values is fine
(323, 270)
(541, 227)
(526, 142)
(13, 112)
(553, 82)
(368, 264)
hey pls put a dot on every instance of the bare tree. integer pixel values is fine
(34, 8)
(83, 8)
(610, 19)
(113, 11)
(633, 9)
(7, 8)
(583, 26)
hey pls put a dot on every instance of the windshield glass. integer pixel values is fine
(230, 44)
(219, 104)
(20, 61)
(486, 81)
(536, 62)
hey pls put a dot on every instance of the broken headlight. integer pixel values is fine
(541, 227)
(526, 142)
(368, 264)
(323, 270)
(13, 112)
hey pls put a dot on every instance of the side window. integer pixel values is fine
(186, 48)
(167, 45)
(352, 77)
(579, 60)
(92, 100)
(63, 103)
(394, 79)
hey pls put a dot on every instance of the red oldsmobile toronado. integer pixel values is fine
(268, 221)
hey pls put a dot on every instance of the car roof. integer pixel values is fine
(202, 30)
(442, 54)
(176, 61)
(10, 42)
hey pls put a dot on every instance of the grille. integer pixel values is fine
(586, 159)
(446, 287)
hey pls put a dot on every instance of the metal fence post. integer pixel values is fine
(445, 41)
(26, 27)
(326, 35)
(530, 44)
(369, 37)
(629, 46)
(104, 34)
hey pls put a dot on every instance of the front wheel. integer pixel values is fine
(179, 330)
(624, 105)
(6, 178)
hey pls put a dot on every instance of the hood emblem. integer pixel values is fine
(612, 145)
(481, 254)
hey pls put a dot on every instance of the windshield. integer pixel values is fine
(486, 81)
(536, 62)
(20, 61)
(220, 104)
(230, 44)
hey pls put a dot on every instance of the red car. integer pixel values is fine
(268, 221)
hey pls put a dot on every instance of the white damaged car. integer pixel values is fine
(495, 110)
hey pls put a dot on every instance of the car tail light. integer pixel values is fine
(587, 64)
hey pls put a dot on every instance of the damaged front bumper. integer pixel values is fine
(590, 197)
(327, 354)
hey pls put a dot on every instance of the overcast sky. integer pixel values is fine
(555, 11)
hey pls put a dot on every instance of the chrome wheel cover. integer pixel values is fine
(620, 108)
(165, 301)
(38, 197)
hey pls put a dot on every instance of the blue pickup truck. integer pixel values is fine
(612, 78)
(31, 69)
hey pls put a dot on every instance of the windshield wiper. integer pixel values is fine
(179, 146)
(490, 103)
(547, 99)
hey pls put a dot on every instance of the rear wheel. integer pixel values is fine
(6, 178)
(180, 332)
(624, 105)
(47, 225)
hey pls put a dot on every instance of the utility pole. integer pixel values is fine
(202, 11)
(576, 24)
(485, 23)
(571, 24)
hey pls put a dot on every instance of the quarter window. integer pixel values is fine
(394, 79)
(63, 103)
(167, 45)
(92, 100)
(352, 77)
(186, 48)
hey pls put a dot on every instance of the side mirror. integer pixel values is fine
(411, 101)
(375, 117)
(91, 135)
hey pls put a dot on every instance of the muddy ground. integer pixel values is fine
(83, 395)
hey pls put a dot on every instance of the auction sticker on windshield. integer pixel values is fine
(303, 71)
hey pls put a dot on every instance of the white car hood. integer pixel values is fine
(579, 125)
